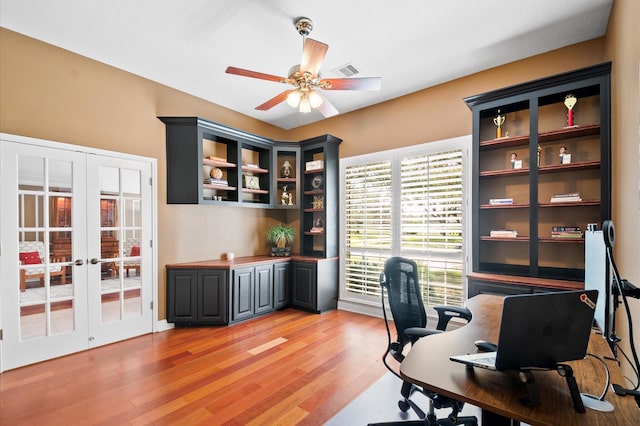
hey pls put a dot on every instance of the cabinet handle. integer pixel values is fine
(95, 261)
(79, 262)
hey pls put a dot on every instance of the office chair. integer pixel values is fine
(400, 282)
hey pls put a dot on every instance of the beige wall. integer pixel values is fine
(49, 93)
(623, 48)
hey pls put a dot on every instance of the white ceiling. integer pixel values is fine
(411, 44)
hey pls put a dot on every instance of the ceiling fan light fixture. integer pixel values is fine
(315, 100)
(305, 105)
(293, 98)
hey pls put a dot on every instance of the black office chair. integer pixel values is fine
(400, 282)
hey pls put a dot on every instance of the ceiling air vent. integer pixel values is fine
(347, 70)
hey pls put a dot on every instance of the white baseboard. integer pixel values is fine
(163, 325)
(360, 307)
(373, 310)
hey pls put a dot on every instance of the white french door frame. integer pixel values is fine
(153, 256)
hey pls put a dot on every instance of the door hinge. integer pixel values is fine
(150, 181)
(151, 305)
(1, 335)
(150, 243)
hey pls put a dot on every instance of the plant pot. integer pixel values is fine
(281, 251)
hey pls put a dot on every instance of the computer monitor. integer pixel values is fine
(598, 276)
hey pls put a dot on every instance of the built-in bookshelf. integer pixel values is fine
(541, 162)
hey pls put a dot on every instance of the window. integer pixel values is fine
(406, 202)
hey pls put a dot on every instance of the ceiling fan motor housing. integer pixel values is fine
(304, 26)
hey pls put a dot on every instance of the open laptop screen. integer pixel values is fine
(544, 329)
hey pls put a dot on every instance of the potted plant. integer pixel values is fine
(281, 236)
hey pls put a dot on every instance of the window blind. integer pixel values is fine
(431, 223)
(407, 205)
(367, 225)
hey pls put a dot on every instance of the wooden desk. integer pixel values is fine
(498, 393)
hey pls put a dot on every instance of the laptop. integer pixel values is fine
(539, 331)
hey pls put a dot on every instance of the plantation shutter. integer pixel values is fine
(368, 230)
(431, 223)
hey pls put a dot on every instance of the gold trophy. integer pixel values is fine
(570, 101)
(499, 121)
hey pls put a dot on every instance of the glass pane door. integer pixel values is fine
(120, 209)
(41, 221)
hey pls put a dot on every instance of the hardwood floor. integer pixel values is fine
(289, 367)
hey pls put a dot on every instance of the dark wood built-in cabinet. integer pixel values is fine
(320, 197)
(539, 180)
(314, 284)
(220, 292)
(194, 295)
(211, 164)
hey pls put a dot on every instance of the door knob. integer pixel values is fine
(95, 261)
(79, 262)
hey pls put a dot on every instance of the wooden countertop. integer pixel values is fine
(243, 261)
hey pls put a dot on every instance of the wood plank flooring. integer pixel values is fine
(285, 368)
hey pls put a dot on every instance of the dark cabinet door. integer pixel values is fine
(182, 295)
(242, 297)
(304, 285)
(281, 285)
(212, 296)
(263, 289)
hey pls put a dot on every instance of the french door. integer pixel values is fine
(76, 262)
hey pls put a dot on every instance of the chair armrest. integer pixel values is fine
(446, 312)
(414, 333)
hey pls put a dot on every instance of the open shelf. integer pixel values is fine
(535, 113)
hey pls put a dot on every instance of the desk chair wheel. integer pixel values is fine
(403, 406)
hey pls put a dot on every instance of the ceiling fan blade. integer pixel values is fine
(364, 83)
(254, 74)
(312, 56)
(326, 108)
(274, 101)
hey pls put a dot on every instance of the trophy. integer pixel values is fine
(499, 121)
(570, 101)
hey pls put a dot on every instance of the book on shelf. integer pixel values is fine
(504, 233)
(565, 198)
(500, 201)
(573, 231)
(220, 182)
(565, 228)
(566, 234)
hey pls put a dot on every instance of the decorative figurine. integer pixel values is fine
(216, 173)
(539, 151)
(285, 198)
(515, 163)
(565, 157)
(286, 169)
(570, 102)
(499, 121)
(318, 202)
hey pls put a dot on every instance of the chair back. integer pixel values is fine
(128, 244)
(400, 280)
(32, 246)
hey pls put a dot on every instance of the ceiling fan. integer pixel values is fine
(305, 78)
